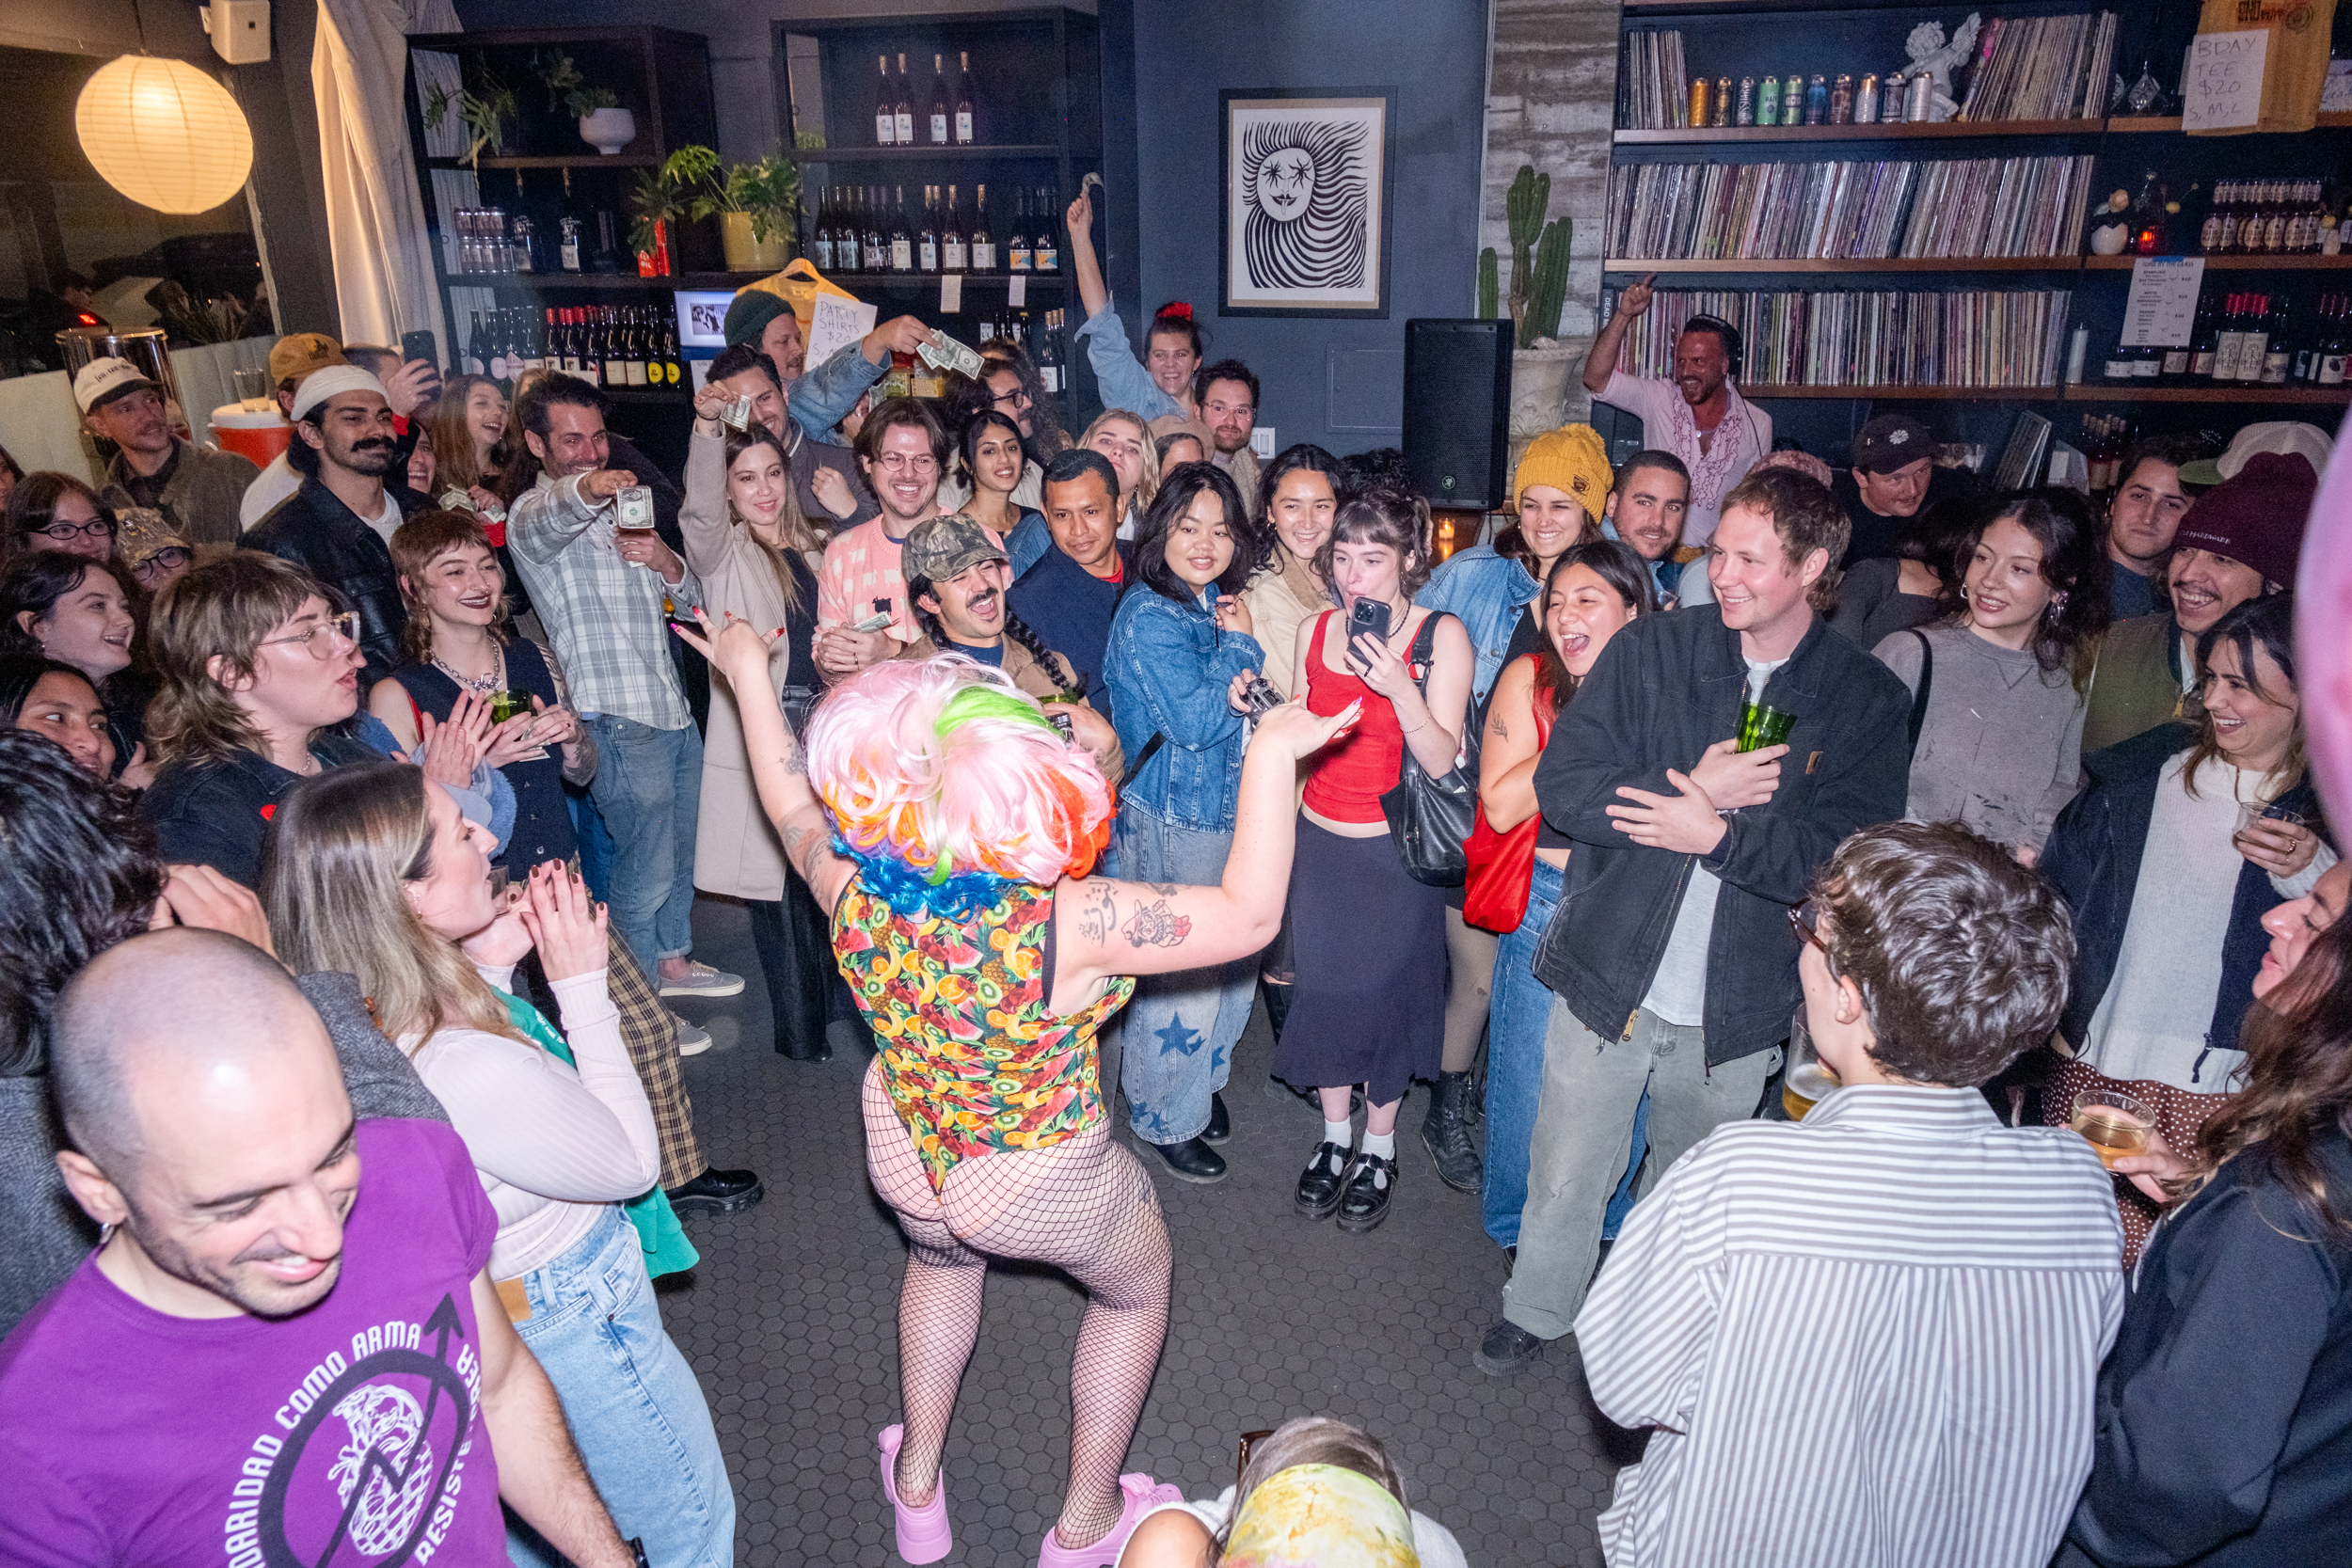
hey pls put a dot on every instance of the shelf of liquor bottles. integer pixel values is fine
(2239, 262)
(919, 153)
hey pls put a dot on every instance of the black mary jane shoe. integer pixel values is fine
(718, 1191)
(1319, 1184)
(1220, 1125)
(1191, 1161)
(1364, 1200)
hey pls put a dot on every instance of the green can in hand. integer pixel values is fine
(505, 704)
(1760, 727)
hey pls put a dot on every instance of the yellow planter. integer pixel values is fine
(743, 254)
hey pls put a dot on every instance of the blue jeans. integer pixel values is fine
(1181, 1029)
(636, 1413)
(649, 788)
(595, 842)
(1516, 1021)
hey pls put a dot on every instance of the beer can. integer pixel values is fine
(1746, 115)
(1698, 101)
(1919, 97)
(1767, 102)
(1722, 102)
(1865, 100)
(1817, 101)
(1891, 100)
(1792, 101)
(1841, 100)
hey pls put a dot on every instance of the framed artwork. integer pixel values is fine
(1304, 229)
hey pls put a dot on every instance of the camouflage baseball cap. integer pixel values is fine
(944, 547)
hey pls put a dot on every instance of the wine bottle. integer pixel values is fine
(542, 332)
(615, 373)
(1044, 237)
(2338, 347)
(901, 237)
(674, 362)
(820, 241)
(2279, 335)
(877, 242)
(903, 124)
(927, 237)
(953, 254)
(885, 118)
(2203, 339)
(1017, 256)
(983, 243)
(939, 102)
(963, 99)
(472, 358)
(1049, 364)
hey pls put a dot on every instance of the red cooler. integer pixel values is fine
(259, 436)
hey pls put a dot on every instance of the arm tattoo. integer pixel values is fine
(1502, 731)
(1097, 915)
(808, 849)
(1153, 926)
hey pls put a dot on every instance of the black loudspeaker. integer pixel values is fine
(1457, 410)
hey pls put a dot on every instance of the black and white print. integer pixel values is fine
(1305, 198)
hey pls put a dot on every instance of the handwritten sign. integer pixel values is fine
(2222, 88)
(2162, 308)
(835, 321)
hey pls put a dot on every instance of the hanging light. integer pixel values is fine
(163, 134)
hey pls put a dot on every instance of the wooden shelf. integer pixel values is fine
(597, 280)
(2147, 124)
(916, 155)
(1882, 264)
(1909, 131)
(2232, 392)
(588, 160)
(2232, 263)
(1909, 394)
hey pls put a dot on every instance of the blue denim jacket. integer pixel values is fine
(1168, 667)
(1486, 592)
(823, 397)
(1119, 375)
(1029, 542)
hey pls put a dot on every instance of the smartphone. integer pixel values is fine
(1371, 618)
(420, 345)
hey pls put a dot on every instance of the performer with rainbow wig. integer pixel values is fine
(953, 844)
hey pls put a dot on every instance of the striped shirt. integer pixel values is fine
(607, 616)
(1868, 1338)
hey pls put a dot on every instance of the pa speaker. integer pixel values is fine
(1457, 410)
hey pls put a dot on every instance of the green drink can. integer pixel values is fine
(505, 704)
(1760, 727)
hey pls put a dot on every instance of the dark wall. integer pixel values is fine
(1336, 383)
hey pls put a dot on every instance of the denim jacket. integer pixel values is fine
(1486, 592)
(1168, 667)
(1119, 375)
(822, 397)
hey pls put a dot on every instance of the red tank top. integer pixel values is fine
(1354, 771)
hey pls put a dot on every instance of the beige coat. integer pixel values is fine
(1277, 609)
(736, 848)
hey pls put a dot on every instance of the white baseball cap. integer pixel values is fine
(321, 385)
(2289, 437)
(104, 379)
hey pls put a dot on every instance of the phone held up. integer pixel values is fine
(420, 345)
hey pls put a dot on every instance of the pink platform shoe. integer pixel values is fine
(924, 1535)
(1141, 1494)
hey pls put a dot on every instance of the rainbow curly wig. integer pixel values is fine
(947, 784)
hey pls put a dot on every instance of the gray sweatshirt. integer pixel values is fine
(2001, 750)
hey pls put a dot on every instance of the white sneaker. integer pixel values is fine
(693, 1038)
(703, 980)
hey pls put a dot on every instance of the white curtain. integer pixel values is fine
(375, 218)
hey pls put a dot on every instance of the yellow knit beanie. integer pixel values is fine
(1571, 460)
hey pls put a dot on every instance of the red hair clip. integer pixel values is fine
(1175, 309)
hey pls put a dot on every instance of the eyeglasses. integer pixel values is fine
(97, 528)
(899, 463)
(1805, 921)
(346, 626)
(169, 559)
(1018, 397)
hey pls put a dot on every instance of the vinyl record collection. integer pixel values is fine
(1992, 338)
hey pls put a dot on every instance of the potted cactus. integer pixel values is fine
(1541, 364)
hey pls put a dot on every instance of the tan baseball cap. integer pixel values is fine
(298, 354)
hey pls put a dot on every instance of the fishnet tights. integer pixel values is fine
(1083, 1206)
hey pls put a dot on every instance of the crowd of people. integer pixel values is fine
(1774, 866)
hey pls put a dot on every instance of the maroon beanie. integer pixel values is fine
(2257, 517)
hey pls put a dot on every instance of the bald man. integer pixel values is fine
(255, 1367)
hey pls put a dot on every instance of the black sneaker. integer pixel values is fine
(1319, 1184)
(1507, 1349)
(1191, 1161)
(1220, 1124)
(718, 1191)
(1364, 1202)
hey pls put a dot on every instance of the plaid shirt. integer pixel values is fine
(608, 617)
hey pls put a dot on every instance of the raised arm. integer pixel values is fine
(701, 516)
(779, 771)
(1104, 927)
(1081, 229)
(1601, 361)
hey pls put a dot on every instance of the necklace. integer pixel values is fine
(481, 686)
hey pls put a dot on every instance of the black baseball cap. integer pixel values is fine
(1892, 441)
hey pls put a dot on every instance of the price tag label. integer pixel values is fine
(2222, 88)
(951, 294)
(2162, 308)
(1018, 293)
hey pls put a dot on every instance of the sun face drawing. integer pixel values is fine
(1286, 183)
(1307, 191)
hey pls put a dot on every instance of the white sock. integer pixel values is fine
(1343, 1134)
(1382, 1144)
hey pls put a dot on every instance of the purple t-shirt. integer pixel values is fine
(347, 1436)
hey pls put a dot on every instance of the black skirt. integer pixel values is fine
(1369, 944)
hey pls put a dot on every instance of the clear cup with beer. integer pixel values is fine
(2114, 1124)
(1808, 1077)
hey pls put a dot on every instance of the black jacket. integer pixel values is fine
(1071, 611)
(1664, 690)
(2093, 857)
(214, 813)
(315, 531)
(2225, 1408)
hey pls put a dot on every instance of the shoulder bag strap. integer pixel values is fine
(1919, 697)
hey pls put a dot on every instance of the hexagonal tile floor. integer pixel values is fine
(790, 1321)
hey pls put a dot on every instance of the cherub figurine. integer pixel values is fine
(1929, 53)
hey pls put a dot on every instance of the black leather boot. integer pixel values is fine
(1445, 1133)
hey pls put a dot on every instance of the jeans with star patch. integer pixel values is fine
(1178, 1033)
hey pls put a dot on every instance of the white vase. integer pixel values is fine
(608, 130)
(1541, 380)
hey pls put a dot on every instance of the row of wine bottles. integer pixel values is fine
(609, 345)
(2247, 340)
(869, 228)
(950, 116)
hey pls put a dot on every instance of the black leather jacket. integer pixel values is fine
(1665, 689)
(315, 531)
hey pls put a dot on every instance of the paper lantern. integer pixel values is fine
(163, 134)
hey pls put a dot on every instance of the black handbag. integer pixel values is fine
(1430, 818)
